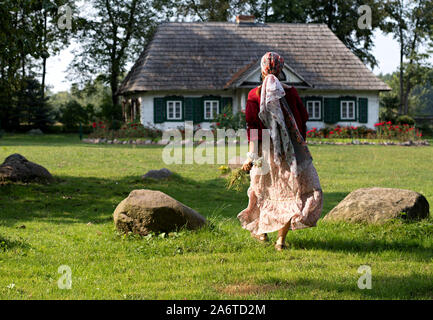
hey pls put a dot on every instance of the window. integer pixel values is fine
(211, 109)
(347, 110)
(174, 110)
(314, 108)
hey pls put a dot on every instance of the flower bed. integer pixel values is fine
(127, 132)
(385, 132)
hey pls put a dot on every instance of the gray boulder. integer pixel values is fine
(145, 211)
(378, 205)
(17, 168)
(35, 132)
(158, 174)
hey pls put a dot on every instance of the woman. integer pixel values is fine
(285, 191)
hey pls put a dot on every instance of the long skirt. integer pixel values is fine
(279, 197)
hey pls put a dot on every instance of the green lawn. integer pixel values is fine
(70, 223)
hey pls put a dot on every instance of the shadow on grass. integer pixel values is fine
(414, 286)
(6, 244)
(346, 245)
(87, 199)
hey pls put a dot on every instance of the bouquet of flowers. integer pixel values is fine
(238, 178)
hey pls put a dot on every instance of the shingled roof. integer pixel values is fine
(211, 55)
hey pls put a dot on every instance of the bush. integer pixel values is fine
(405, 119)
(72, 114)
(131, 130)
(227, 120)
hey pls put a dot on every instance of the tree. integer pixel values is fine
(51, 38)
(26, 39)
(35, 112)
(113, 34)
(341, 16)
(205, 10)
(411, 23)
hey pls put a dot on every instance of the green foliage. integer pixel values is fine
(72, 114)
(405, 119)
(34, 108)
(27, 38)
(131, 130)
(227, 120)
(411, 24)
(112, 34)
(341, 16)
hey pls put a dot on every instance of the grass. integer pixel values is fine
(70, 223)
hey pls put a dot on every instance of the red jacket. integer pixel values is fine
(253, 106)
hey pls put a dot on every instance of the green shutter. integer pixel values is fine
(198, 110)
(159, 110)
(226, 102)
(189, 109)
(331, 110)
(363, 110)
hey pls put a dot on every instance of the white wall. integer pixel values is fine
(240, 95)
(147, 106)
(373, 108)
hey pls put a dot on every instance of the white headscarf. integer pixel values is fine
(270, 112)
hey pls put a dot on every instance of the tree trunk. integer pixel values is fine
(266, 10)
(331, 14)
(114, 85)
(44, 58)
(400, 107)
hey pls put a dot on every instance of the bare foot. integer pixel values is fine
(261, 237)
(280, 246)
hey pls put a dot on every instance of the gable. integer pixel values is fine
(252, 78)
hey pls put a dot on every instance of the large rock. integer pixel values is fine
(17, 168)
(378, 205)
(145, 211)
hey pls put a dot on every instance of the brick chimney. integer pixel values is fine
(245, 19)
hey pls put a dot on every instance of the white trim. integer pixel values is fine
(212, 115)
(174, 103)
(349, 103)
(313, 116)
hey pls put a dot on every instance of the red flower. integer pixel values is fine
(389, 122)
(94, 125)
(224, 115)
(218, 124)
(102, 127)
(331, 132)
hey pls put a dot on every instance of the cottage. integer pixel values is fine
(192, 71)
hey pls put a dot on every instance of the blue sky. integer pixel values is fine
(386, 51)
